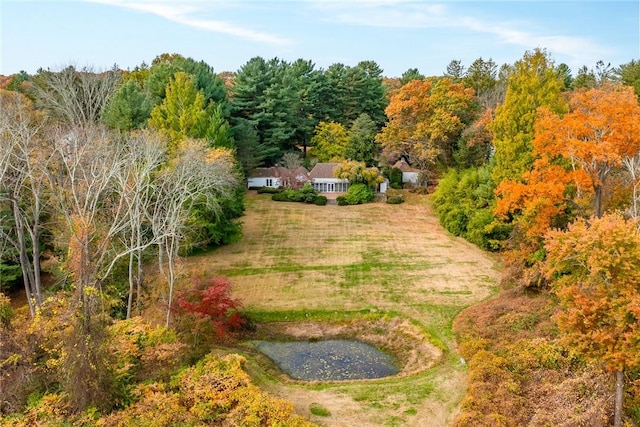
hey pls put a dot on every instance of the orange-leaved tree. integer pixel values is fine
(600, 131)
(594, 267)
(574, 154)
(426, 118)
(543, 198)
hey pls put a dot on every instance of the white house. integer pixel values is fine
(266, 177)
(409, 174)
(321, 177)
(323, 180)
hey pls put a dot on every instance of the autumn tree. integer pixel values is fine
(211, 300)
(197, 178)
(81, 176)
(23, 188)
(144, 153)
(358, 173)
(92, 216)
(532, 83)
(426, 118)
(632, 167)
(601, 129)
(546, 197)
(145, 87)
(594, 268)
(164, 67)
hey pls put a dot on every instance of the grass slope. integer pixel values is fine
(327, 260)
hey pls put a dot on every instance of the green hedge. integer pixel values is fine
(358, 194)
(269, 190)
(464, 202)
(321, 200)
(306, 194)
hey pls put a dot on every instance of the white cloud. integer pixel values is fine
(415, 15)
(577, 50)
(385, 13)
(183, 13)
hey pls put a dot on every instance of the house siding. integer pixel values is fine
(273, 182)
(411, 177)
(330, 185)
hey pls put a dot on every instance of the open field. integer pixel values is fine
(372, 258)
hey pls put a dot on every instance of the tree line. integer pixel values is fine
(557, 194)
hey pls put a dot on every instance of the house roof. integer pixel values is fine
(323, 170)
(272, 172)
(300, 171)
(404, 166)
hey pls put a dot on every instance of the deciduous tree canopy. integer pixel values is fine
(426, 118)
(594, 267)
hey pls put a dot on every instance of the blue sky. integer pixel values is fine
(396, 34)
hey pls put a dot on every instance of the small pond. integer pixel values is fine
(330, 360)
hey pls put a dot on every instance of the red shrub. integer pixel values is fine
(212, 300)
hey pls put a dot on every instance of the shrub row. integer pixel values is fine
(307, 194)
(267, 190)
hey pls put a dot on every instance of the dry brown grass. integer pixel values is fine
(297, 256)
(371, 257)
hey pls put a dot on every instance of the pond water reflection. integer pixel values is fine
(330, 360)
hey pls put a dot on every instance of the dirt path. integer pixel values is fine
(377, 257)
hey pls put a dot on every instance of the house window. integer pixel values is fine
(269, 182)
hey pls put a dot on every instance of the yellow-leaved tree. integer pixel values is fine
(532, 83)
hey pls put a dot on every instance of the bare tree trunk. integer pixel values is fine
(139, 280)
(161, 249)
(171, 255)
(130, 299)
(25, 264)
(617, 420)
(37, 268)
(631, 164)
(598, 201)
